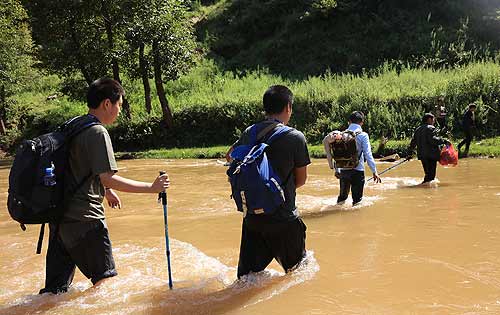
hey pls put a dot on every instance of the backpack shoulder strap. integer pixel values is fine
(256, 137)
(77, 124)
(280, 131)
(266, 130)
(353, 133)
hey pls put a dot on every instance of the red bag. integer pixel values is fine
(449, 156)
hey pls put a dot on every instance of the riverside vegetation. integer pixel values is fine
(394, 67)
(212, 107)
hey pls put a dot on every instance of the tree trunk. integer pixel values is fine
(145, 78)
(2, 109)
(114, 61)
(160, 91)
(79, 57)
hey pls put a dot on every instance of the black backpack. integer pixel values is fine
(344, 150)
(30, 201)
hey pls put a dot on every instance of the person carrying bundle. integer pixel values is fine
(346, 152)
(427, 143)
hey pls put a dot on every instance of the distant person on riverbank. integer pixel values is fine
(427, 143)
(440, 114)
(469, 125)
(279, 234)
(81, 238)
(350, 166)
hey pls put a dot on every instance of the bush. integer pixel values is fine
(213, 108)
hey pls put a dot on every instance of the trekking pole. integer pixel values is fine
(390, 168)
(163, 196)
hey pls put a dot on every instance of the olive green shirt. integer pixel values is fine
(91, 153)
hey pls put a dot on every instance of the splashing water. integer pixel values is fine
(311, 205)
(201, 284)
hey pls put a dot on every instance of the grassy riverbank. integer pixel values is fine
(212, 107)
(480, 148)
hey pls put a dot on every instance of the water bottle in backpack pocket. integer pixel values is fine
(255, 187)
(36, 178)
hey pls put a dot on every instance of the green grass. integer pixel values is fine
(212, 107)
(483, 148)
(480, 148)
(177, 153)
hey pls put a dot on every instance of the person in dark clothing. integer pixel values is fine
(280, 235)
(81, 238)
(440, 114)
(427, 143)
(469, 124)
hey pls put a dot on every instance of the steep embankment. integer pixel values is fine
(306, 37)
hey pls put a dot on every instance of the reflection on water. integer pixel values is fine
(405, 249)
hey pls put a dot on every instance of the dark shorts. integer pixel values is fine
(262, 240)
(91, 253)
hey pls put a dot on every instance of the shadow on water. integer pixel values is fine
(154, 301)
(159, 300)
(41, 303)
(197, 301)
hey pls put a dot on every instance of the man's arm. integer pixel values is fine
(367, 152)
(433, 139)
(111, 180)
(228, 153)
(326, 143)
(300, 176)
(413, 143)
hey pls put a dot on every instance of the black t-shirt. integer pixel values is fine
(468, 119)
(285, 154)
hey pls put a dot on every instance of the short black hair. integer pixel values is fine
(276, 98)
(356, 117)
(104, 88)
(427, 116)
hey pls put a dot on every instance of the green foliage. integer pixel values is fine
(488, 147)
(212, 107)
(217, 152)
(324, 6)
(15, 44)
(301, 38)
(70, 37)
(167, 23)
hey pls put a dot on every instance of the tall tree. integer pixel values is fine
(110, 13)
(163, 34)
(69, 37)
(78, 36)
(15, 47)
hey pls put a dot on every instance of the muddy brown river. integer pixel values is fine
(404, 250)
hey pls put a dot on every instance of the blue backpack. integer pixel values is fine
(255, 187)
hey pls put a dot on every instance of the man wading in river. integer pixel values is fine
(350, 166)
(81, 238)
(273, 232)
(427, 142)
